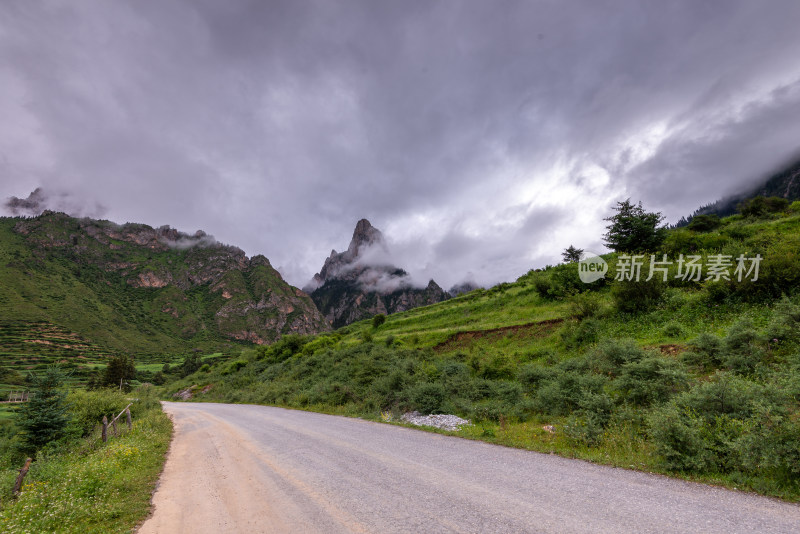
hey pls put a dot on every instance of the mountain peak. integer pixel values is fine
(363, 236)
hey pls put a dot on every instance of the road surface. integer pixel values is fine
(249, 469)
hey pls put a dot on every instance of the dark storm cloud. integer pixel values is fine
(480, 137)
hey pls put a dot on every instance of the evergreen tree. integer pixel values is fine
(120, 370)
(44, 417)
(633, 229)
(572, 254)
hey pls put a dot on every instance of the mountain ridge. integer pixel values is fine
(153, 288)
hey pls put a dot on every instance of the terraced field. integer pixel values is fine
(28, 346)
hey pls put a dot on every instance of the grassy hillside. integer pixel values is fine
(696, 379)
(150, 293)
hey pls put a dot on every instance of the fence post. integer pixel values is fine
(114, 427)
(21, 476)
(105, 429)
(128, 418)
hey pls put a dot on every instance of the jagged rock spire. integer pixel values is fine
(363, 236)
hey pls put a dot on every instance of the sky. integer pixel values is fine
(482, 138)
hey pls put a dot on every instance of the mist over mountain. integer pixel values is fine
(784, 184)
(41, 200)
(361, 281)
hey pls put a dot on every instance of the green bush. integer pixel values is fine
(532, 375)
(564, 393)
(631, 296)
(378, 320)
(585, 332)
(771, 445)
(673, 330)
(785, 323)
(234, 367)
(583, 306)
(653, 379)
(742, 348)
(611, 355)
(704, 223)
(496, 366)
(760, 206)
(428, 397)
(677, 435)
(284, 349)
(706, 351)
(87, 408)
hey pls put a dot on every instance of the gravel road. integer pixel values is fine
(248, 469)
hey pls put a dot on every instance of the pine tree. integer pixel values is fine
(119, 371)
(44, 417)
(572, 254)
(633, 229)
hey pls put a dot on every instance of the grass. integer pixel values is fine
(89, 486)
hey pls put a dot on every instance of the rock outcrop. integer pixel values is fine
(355, 284)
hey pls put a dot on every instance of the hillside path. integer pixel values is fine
(250, 469)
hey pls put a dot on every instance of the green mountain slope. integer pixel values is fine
(143, 291)
(699, 379)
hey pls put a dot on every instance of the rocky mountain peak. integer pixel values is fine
(353, 285)
(364, 235)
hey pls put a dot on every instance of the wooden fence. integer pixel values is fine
(106, 423)
(17, 396)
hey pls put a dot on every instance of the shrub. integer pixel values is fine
(704, 223)
(725, 394)
(651, 380)
(631, 296)
(741, 348)
(563, 394)
(494, 367)
(234, 367)
(707, 351)
(760, 206)
(583, 430)
(673, 330)
(378, 320)
(611, 355)
(283, 349)
(785, 324)
(583, 306)
(771, 445)
(532, 375)
(87, 408)
(584, 333)
(428, 397)
(677, 435)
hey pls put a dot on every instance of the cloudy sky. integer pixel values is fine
(481, 137)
